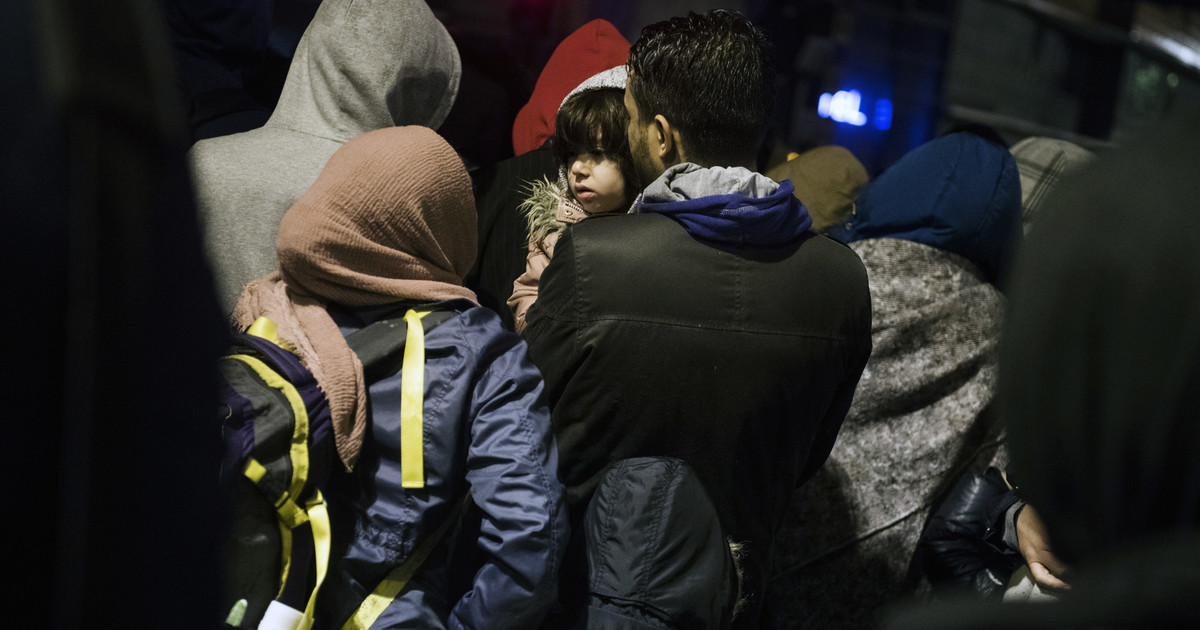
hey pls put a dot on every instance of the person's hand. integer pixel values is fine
(1034, 544)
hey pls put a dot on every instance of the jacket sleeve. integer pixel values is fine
(551, 330)
(525, 288)
(511, 469)
(839, 405)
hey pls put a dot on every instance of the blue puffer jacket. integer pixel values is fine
(486, 431)
(958, 193)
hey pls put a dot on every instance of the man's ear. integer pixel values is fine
(667, 141)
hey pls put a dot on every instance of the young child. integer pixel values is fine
(595, 176)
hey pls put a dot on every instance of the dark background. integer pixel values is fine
(1089, 71)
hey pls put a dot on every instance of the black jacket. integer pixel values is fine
(742, 365)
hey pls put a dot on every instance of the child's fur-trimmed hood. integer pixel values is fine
(540, 209)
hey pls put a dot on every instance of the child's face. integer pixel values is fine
(596, 182)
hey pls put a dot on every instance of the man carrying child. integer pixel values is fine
(710, 324)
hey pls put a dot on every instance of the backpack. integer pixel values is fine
(657, 556)
(278, 436)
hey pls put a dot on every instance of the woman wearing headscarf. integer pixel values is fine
(389, 225)
(360, 65)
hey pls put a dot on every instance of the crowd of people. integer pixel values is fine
(671, 385)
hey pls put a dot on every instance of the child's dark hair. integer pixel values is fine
(591, 120)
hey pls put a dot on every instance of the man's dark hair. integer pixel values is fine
(591, 120)
(711, 76)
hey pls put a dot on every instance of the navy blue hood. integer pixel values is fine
(731, 208)
(958, 193)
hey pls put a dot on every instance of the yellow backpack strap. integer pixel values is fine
(412, 473)
(396, 579)
(412, 404)
(318, 516)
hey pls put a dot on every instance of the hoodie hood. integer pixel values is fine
(959, 193)
(592, 48)
(612, 78)
(367, 64)
(828, 181)
(728, 207)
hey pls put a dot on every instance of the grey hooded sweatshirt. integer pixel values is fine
(360, 66)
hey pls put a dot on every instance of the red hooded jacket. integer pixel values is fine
(593, 47)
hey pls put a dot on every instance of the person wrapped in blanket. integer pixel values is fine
(1099, 367)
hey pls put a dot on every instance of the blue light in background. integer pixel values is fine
(883, 114)
(843, 106)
